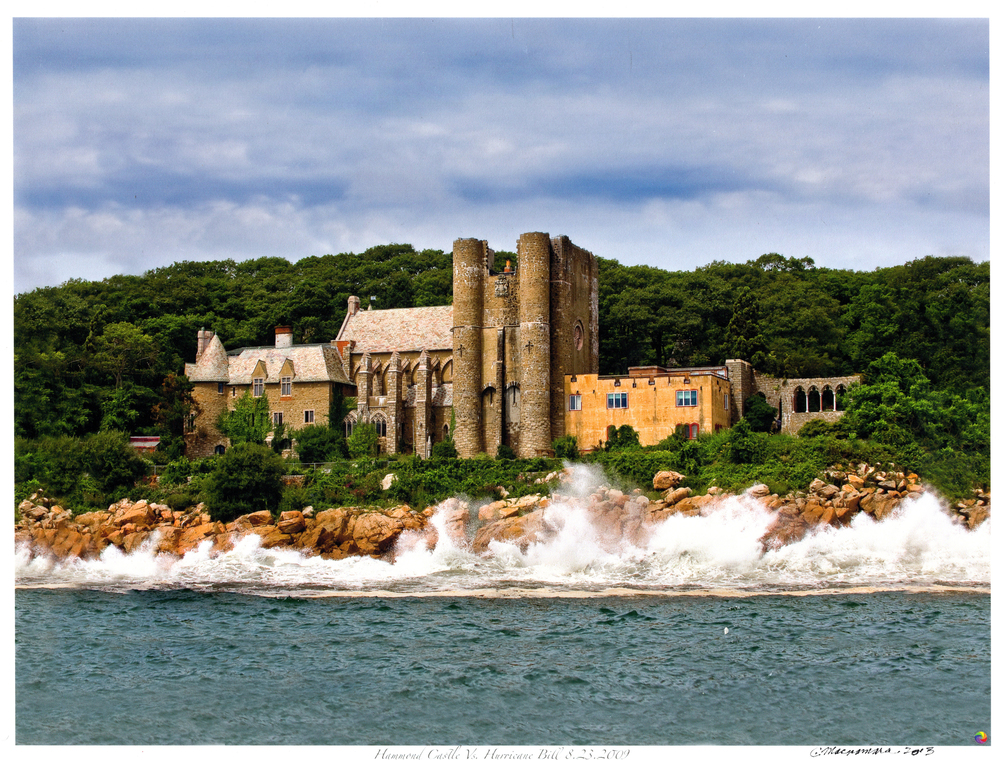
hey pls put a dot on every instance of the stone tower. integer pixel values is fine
(517, 333)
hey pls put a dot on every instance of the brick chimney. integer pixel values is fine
(282, 337)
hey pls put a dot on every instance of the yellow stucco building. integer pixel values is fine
(652, 400)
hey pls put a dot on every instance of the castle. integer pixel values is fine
(513, 362)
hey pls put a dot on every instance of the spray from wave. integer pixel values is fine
(918, 545)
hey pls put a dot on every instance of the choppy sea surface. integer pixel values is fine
(877, 634)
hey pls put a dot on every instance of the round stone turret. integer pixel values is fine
(533, 268)
(469, 275)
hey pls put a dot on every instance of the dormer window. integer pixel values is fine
(258, 387)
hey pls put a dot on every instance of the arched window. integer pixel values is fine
(348, 426)
(813, 400)
(578, 336)
(380, 426)
(220, 449)
(838, 404)
(800, 401)
(446, 431)
(693, 430)
(827, 399)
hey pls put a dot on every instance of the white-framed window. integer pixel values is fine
(687, 398)
(286, 386)
(308, 416)
(575, 402)
(617, 401)
(277, 418)
(258, 387)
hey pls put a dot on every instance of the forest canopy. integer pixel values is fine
(91, 356)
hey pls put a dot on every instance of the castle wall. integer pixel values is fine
(534, 326)
(652, 409)
(202, 441)
(305, 396)
(798, 400)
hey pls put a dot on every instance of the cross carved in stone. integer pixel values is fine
(460, 349)
(528, 346)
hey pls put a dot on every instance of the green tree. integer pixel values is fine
(247, 478)
(363, 442)
(249, 421)
(759, 414)
(320, 443)
(112, 462)
(118, 409)
(743, 336)
(122, 349)
(743, 446)
(176, 404)
(624, 437)
(566, 447)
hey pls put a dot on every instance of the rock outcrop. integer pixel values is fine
(47, 528)
(834, 501)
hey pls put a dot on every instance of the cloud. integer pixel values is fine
(139, 142)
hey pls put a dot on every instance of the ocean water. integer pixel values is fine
(878, 634)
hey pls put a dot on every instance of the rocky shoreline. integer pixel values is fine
(47, 529)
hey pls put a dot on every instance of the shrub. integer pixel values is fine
(112, 462)
(363, 442)
(815, 429)
(624, 437)
(176, 472)
(247, 478)
(566, 447)
(746, 446)
(444, 450)
(178, 502)
(505, 452)
(320, 443)
(294, 498)
(759, 414)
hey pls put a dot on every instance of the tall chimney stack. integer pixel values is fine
(282, 337)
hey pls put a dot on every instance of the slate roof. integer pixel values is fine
(387, 330)
(212, 366)
(315, 362)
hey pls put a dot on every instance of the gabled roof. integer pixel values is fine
(317, 362)
(387, 330)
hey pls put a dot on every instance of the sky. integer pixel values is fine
(669, 142)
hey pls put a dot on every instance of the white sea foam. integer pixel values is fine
(919, 545)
